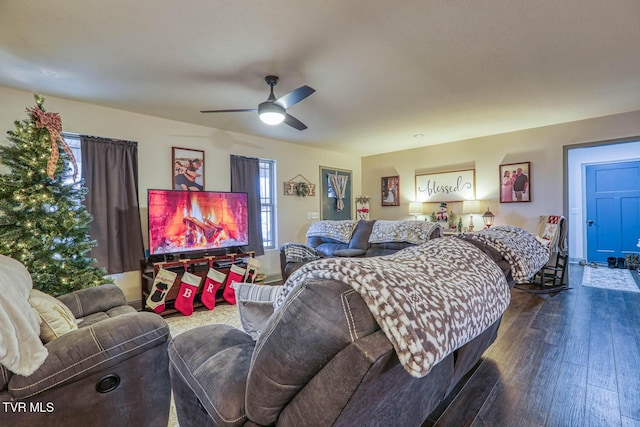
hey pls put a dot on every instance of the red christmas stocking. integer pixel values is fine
(212, 283)
(188, 288)
(161, 286)
(236, 274)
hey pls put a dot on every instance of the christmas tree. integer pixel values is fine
(43, 222)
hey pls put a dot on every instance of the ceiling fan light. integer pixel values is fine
(271, 113)
(272, 118)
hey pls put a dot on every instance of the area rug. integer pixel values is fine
(222, 313)
(617, 279)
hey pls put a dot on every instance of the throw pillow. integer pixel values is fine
(255, 306)
(56, 317)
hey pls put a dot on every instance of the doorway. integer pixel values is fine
(582, 238)
(613, 209)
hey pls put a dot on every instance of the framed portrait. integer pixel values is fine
(454, 186)
(515, 182)
(188, 169)
(390, 191)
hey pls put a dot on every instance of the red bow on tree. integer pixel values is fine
(52, 122)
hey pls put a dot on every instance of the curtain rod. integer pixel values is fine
(109, 139)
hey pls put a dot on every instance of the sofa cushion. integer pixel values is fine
(340, 231)
(349, 252)
(325, 246)
(360, 236)
(255, 306)
(57, 319)
(94, 300)
(104, 315)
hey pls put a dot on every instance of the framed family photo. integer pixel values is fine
(515, 182)
(390, 191)
(188, 169)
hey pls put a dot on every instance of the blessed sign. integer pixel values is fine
(446, 186)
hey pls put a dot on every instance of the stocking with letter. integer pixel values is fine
(188, 288)
(212, 283)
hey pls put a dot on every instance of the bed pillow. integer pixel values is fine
(255, 306)
(57, 319)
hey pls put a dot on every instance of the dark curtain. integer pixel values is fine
(110, 173)
(245, 177)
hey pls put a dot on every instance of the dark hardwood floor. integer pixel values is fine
(572, 359)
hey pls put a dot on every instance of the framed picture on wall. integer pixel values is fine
(515, 182)
(390, 190)
(450, 186)
(188, 169)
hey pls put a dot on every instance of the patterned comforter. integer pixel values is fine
(429, 299)
(415, 232)
(519, 247)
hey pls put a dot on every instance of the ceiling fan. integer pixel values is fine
(274, 111)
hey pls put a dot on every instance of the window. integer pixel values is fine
(268, 203)
(73, 141)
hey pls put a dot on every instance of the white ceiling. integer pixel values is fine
(383, 70)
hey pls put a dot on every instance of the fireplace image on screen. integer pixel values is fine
(190, 221)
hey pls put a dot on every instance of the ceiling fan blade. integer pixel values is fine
(293, 122)
(244, 110)
(295, 96)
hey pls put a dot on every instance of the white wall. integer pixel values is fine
(156, 136)
(543, 147)
(578, 159)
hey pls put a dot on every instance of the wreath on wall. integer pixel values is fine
(302, 189)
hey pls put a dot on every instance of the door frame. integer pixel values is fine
(576, 221)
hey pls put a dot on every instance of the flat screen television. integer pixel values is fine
(189, 221)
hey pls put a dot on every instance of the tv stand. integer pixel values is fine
(198, 266)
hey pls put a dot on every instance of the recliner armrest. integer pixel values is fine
(93, 300)
(349, 253)
(210, 364)
(80, 353)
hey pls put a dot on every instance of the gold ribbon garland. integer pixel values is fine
(52, 122)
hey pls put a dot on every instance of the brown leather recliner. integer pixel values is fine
(112, 371)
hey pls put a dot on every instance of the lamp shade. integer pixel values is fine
(471, 206)
(271, 113)
(415, 208)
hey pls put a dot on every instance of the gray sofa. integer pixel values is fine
(323, 358)
(111, 371)
(365, 238)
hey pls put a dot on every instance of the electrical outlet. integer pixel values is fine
(313, 215)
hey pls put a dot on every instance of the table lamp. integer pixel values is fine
(470, 207)
(415, 209)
